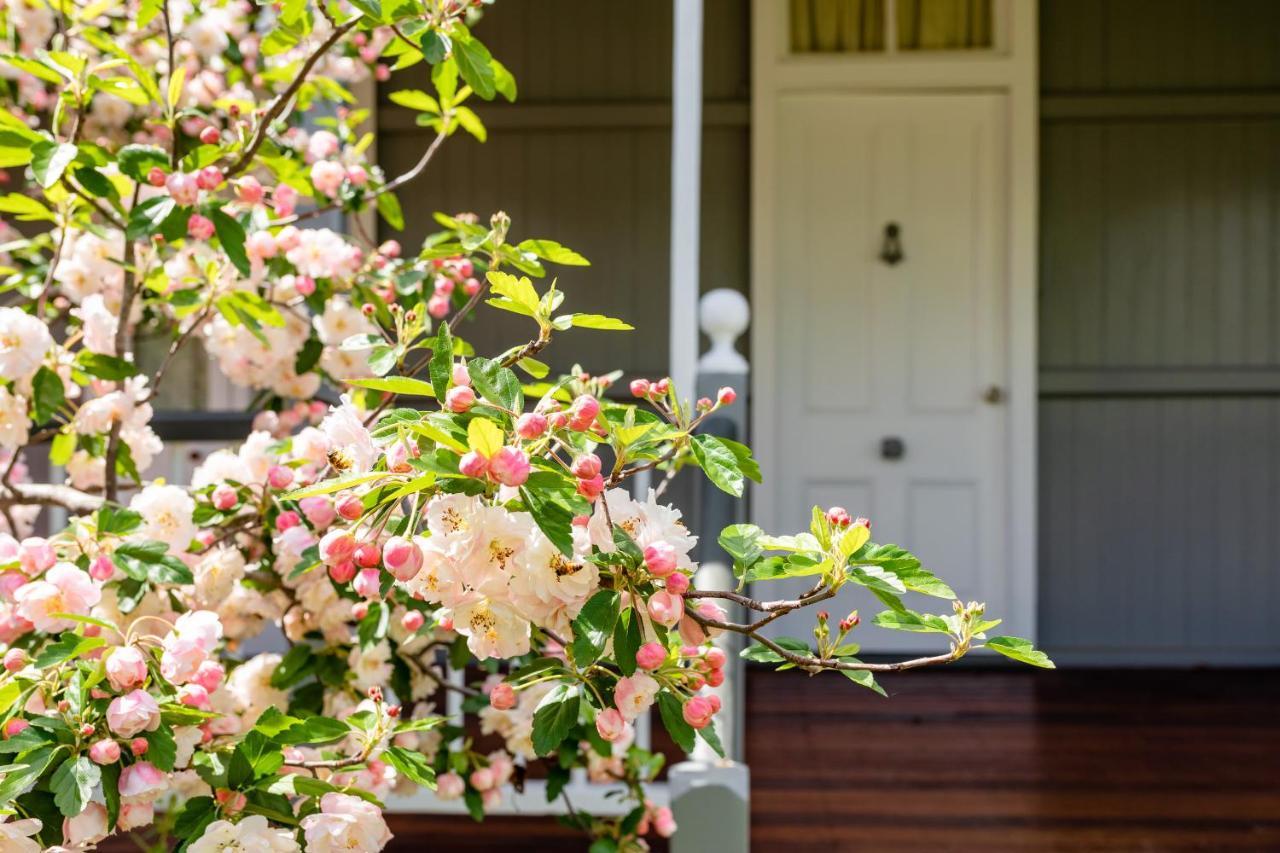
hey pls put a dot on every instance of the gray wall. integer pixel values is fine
(1159, 307)
(583, 157)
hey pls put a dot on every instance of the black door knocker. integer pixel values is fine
(891, 252)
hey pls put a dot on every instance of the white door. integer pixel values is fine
(890, 377)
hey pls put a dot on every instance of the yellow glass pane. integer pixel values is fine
(944, 24)
(837, 26)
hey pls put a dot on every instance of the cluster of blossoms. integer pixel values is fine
(257, 659)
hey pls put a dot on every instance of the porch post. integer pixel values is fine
(686, 169)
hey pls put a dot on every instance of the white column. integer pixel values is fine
(686, 170)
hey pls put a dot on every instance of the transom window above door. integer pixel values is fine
(886, 27)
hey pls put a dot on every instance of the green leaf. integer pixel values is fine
(314, 730)
(441, 365)
(672, 713)
(389, 208)
(49, 396)
(746, 462)
(111, 791)
(117, 521)
(905, 566)
(742, 543)
(25, 209)
(496, 383)
(396, 385)
(296, 665)
(1020, 650)
(553, 515)
(412, 765)
(719, 463)
(864, 678)
(162, 749)
(593, 626)
(415, 99)
(709, 734)
(627, 639)
(150, 560)
(550, 250)
(195, 817)
(49, 160)
(474, 64)
(73, 784)
(137, 160)
(95, 183)
(335, 485)
(70, 645)
(373, 627)
(231, 236)
(9, 693)
(470, 122)
(761, 653)
(109, 367)
(909, 620)
(555, 715)
(601, 322)
(147, 218)
(503, 80)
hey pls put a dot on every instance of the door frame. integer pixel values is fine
(1011, 69)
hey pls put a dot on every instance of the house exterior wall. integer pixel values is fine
(1159, 414)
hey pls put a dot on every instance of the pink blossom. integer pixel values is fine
(189, 644)
(677, 583)
(279, 477)
(343, 572)
(450, 786)
(64, 589)
(142, 780)
(132, 713)
(412, 620)
(531, 425)
(585, 466)
(328, 175)
(665, 608)
(368, 583)
(661, 558)
(472, 464)
(664, 822)
(726, 396)
(105, 751)
(15, 726)
(209, 675)
(509, 466)
(126, 668)
(502, 697)
(183, 188)
(337, 546)
(350, 507)
(261, 244)
(284, 199)
(633, 695)
(698, 712)
(583, 412)
(200, 227)
(368, 555)
(650, 656)
(591, 488)
(36, 555)
(345, 823)
(87, 828)
(403, 557)
(249, 190)
(460, 399)
(319, 511)
(611, 725)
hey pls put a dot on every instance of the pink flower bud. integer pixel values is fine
(650, 656)
(319, 510)
(698, 712)
(715, 677)
(359, 610)
(358, 175)
(105, 751)
(403, 557)
(531, 425)
(183, 188)
(661, 558)
(209, 675)
(482, 778)
(665, 609)
(279, 477)
(471, 287)
(611, 725)
(284, 199)
(15, 726)
(725, 396)
(664, 822)
(156, 176)
(209, 136)
(199, 227)
(102, 569)
(368, 583)
(640, 388)
(368, 555)
(304, 285)
(398, 458)
(509, 466)
(126, 668)
(337, 546)
(209, 178)
(193, 696)
(287, 520)
(716, 657)
(585, 466)
(459, 399)
(350, 507)
(592, 487)
(412, 620)
(438, 306)
(450, 786)
(677, 583)
(15, 659)
(838, 516)
(224, 498)
(472, 464)
(249, 190)
(502, 696)
(343, 572)
(583, 412)
(139, 746)
(390, 248)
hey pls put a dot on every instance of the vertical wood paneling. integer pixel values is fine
(604, 191)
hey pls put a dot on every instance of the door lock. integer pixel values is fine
(993, 395)
(891, 447)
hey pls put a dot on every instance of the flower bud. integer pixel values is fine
(209, 136)
(279, 477)
(698, 711)
(650, 656)
(472, 464)
(586, 466)
(200, 227)
(368, 555)
(15, 659)
(838, 516)
(502, 697)
(224, 498)
(665, 608)
(337, 546)
(156, 176)
(287, 520)
(102, 569)
(677, 583)
(412, 620)
(591, 488)
(460, 399)
(359, 610)
(105, 751)
(509, 466)
(725, 396)
(139, 746)
(368, 583)
(611, 725)
(343, 572)
(249, 190)
(403, 557)
(660, 557)
(126, 668)
(461, 376)
(531, 425)
(640, 388)
(350, 507)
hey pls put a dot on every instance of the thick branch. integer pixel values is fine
(39, 494)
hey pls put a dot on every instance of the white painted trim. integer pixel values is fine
(1011, 67)
(686, 169)
(586, 797)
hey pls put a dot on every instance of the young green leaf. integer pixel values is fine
(1021, 650)
(593, 626)
(555, 715)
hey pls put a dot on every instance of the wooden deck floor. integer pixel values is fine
(990, 760)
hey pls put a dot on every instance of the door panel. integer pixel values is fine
(868, 350)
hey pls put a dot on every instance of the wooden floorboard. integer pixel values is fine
(984, 760)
